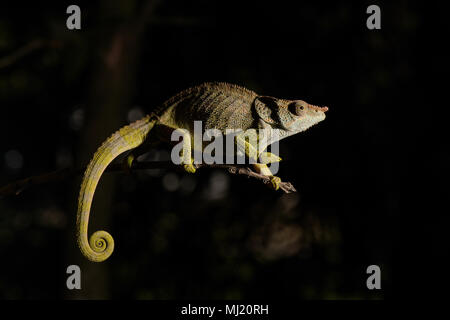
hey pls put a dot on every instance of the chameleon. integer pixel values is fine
(219, 106)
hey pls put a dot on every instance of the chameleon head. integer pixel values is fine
(289, 115)
(304, 115)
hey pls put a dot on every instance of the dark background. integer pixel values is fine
(209, 235)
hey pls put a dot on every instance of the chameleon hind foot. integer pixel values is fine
(189, 167)
(127, 162)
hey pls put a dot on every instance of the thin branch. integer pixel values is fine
(27, 49)
(17, 187)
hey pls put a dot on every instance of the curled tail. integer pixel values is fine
(101, 244)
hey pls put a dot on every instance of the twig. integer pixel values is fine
(286, 187)
(17, 187)
(26, 50)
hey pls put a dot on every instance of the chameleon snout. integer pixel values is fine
(317, 108)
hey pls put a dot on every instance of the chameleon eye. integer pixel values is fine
(295, 108)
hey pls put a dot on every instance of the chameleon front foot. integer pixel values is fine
(275, 182)
(261, 168)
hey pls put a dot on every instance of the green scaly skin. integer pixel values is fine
(218, 105)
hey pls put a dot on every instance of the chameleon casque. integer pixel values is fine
(218, 105)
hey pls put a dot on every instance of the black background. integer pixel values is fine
(228, 237)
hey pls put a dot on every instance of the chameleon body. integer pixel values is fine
(219, 106)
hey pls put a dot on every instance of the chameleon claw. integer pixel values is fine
(275, 181)
(189, 168)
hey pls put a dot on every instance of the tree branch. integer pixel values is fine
(17, 187)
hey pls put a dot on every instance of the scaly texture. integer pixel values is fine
(101, 244)
(219, 106)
